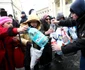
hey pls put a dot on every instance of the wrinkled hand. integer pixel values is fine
(56, 47)
(49, 31)
(54, 21)
(22, 29)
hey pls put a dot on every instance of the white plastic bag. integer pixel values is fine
(35, 55)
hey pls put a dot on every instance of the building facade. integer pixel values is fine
(43, 11)
(60, 6)
(12, 7)
(56, 6)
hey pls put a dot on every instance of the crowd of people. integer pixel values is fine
(60, 55)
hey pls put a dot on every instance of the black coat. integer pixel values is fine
(23, 19)
(79, 44)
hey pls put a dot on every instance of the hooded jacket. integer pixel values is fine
(47, 52)
(45, 25)
(25, 37)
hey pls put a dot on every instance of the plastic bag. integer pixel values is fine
(35, 55)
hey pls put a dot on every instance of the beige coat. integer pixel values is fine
(25, 37)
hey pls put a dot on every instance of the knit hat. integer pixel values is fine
(10, 15)
(22, 12)
(4, 20)
(59, 16)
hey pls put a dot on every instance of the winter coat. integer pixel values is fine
(66, 62)
(23, 19)
(77, 7)
(45, 25)
(25, 37)
(6, 40)
(15, 23)
(47, 52)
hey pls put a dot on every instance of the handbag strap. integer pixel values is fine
(21, 44)
(7, 57)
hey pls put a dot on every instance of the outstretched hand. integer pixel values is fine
(49, 31)
(22, 29)
(56, 47)
(54, 21)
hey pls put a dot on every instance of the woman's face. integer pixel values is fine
(74, 16)
(7, 24)
(34, 24)
(48, 20)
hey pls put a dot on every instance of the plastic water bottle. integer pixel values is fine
(38, 37)
(57, 42)
(53, 26)
(72, 32)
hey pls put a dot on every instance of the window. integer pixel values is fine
(57, 3)
(68, 1)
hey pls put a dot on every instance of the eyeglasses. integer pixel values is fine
(48, 19)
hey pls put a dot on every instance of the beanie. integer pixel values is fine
(22, 12)
(4, 20)
(10, 15)
(59, 16)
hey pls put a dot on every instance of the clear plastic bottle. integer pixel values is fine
(57, 42)
(38, 37)
(53, 26)
(72, 31)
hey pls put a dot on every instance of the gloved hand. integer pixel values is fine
(35, 55)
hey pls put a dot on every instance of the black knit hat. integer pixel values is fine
(22, 12)
(59, 16)
(10, 15)
(3, 12)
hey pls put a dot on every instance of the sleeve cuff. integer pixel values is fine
(15, 30)
(59, 52)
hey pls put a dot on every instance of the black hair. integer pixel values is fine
(10, 15)
(3, 12)
(30, 11)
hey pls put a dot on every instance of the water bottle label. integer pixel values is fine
(39, 38)
(65, 40)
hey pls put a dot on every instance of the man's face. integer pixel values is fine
(22, 15)
(74, 16)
